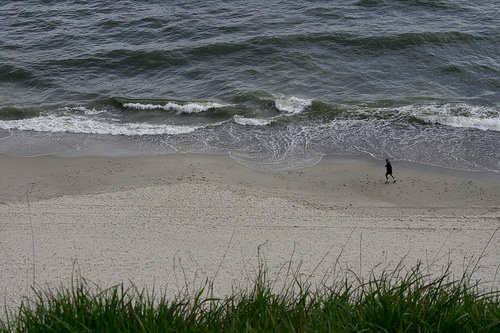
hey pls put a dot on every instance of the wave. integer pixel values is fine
(458, 115)
(180, 108)
(292, 104)
(10, 73)
(161, 61)
(400, 40)
(286, 106)
(84, 125)
(366, 41)
(283, 133)
(13, 113)
(440, 5)
(119, 116)
(486, 124)
(252, 121)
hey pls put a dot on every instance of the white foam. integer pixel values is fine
(251, 121)
(485, 124)
(458, 115)
(292, 104)
(140, 106)
(83, 125)
(192, 107)
(180, 108)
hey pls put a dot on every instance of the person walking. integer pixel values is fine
(388, 171)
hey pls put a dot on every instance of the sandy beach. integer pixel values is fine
(172, 221)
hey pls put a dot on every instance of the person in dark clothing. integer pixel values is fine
(388, 171)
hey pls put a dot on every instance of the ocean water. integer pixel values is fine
(276, 84)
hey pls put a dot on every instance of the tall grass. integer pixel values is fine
(396, 301)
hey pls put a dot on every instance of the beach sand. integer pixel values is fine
(174, 222)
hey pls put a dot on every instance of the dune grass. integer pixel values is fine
(401, 300)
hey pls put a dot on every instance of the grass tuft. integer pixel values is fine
(396, 301)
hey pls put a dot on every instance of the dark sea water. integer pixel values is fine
(277, 84)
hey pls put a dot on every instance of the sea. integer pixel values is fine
(277, 85)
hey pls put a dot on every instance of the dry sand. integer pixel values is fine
(178, 220)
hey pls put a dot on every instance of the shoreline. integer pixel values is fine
(120, 172)
(172, 220)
